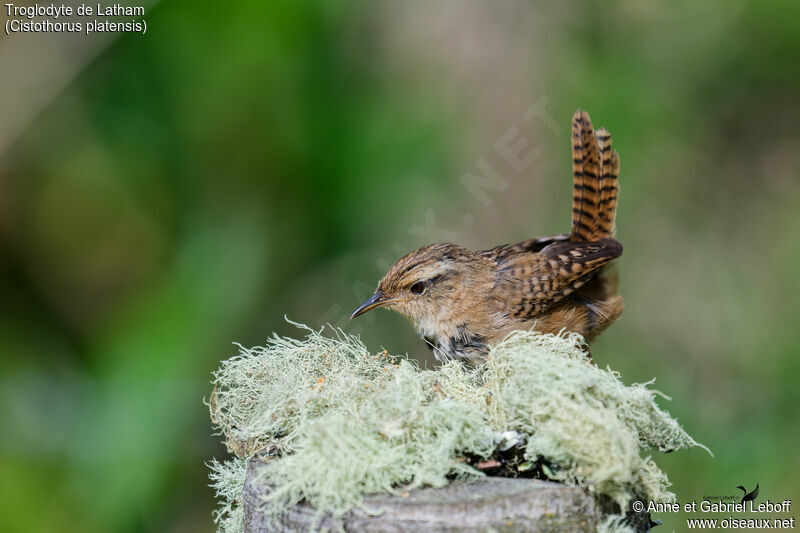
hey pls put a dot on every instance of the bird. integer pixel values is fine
(748, 496)
(463, 302)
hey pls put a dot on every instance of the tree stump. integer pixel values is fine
(489, 504)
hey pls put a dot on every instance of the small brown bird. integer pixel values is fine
(463, 302)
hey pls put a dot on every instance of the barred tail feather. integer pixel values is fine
(595, 169)
(586, 170)
(609, 186)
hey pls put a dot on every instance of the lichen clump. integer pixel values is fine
(334, 421)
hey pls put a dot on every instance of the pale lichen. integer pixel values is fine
(227, 480)
(338, 422)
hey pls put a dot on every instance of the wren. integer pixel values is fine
(463, 302)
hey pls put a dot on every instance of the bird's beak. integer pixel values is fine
(376, 300)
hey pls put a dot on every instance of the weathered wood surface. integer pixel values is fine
(490, 504)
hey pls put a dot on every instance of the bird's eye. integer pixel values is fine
(417, 287)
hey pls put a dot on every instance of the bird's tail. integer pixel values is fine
(595, 187)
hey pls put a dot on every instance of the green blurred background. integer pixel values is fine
(243, 161)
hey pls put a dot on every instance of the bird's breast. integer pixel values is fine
(454, 341)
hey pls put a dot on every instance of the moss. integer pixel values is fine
(336, 422)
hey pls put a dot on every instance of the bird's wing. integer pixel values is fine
(755, 492)
(529, 283)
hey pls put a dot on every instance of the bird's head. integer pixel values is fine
(426, 283)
